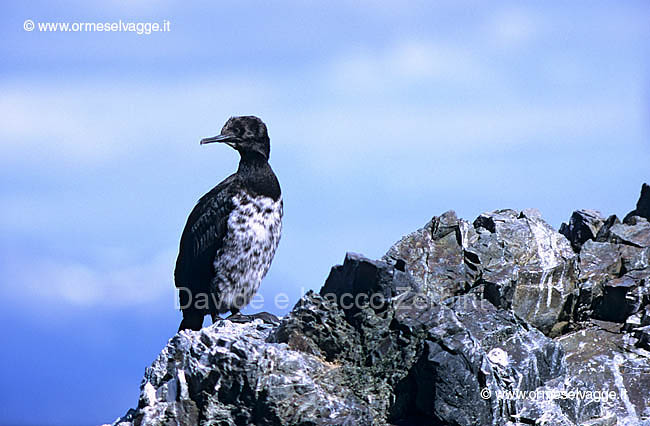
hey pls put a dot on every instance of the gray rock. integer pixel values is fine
(596, 361)
(406, 358)
(603, 233)
(526, 266)
(613, 279)
(516, 259)
(636, 234)
(634, 258)
(642, 337)
(582, 227)
(228, 374)
(451, 327)
(434, 256)
(599, 263)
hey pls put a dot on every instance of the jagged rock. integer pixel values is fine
(599, 263)
(452, 311)
(600, 259)
(616, 302)
(228, 374)
(636, 234)
(603, 233)
(405, 358)
(637, 326)
(642, 334)
(413, 338)
(361, 276)
(526, 266)
(642, 206)
(645, 315)
(614, 271)
(434, 256)
(583, 226)
(515, 258)
(596, 362)
(515, 357)
(634, 258)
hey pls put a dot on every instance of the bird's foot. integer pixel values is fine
(264, 316)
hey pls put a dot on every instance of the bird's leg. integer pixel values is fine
(213, 306)
(192, 320)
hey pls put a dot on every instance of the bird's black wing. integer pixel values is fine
(203, 235)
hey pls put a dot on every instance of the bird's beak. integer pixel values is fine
(228, 139)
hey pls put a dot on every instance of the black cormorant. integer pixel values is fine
(231, 234)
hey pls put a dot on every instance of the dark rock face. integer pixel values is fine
(642, 206)
(494, 322)
(583, 226)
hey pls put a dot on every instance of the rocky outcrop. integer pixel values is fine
(583, 226)
(513, 259)
(499, 321)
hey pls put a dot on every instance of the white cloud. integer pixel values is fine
(52, 124)
(424, 93)
(40, 282)
(512, 27)
(402, 64)
(93, 123)
(421, 59)
(385, 140)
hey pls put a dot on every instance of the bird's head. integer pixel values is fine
(246, 134)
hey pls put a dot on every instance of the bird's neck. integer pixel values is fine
(257, 175)
(252, 163)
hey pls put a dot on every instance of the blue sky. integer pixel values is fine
(381, 115)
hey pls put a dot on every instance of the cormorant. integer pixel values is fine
(231, 234)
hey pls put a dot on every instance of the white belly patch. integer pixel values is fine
(254, 228)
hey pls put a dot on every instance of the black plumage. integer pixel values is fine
(231, 234)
